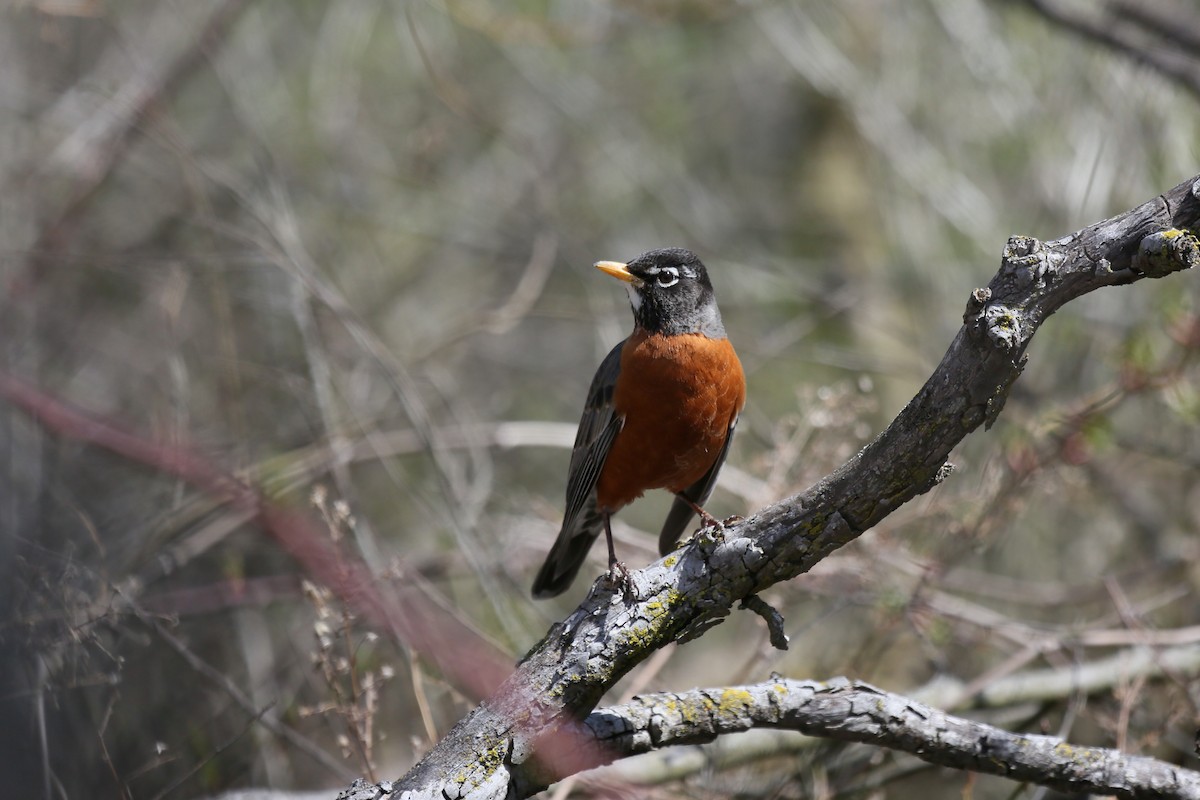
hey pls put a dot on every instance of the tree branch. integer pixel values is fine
(1012, 691)
(1160, 37)
(411, 614)
(491, 752)
(854, 711)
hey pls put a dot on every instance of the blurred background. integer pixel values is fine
(343, 251)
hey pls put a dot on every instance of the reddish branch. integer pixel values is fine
(410, 615)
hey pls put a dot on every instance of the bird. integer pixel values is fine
(660, 414)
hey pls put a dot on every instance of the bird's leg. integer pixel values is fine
(712, 529)
(618, 573)
(708, 519)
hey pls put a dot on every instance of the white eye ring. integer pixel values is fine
(668, 277)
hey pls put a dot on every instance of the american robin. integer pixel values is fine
(660, 413)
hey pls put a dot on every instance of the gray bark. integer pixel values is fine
(858, 712)
(491, 753)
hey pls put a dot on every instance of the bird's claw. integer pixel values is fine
(711, 532)
(619, 577)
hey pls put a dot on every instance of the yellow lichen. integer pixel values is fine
(1085, 754)
(645, 634)
(734, 700)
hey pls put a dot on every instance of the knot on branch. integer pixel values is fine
(1002, 326)
(1026, 263)
(937, 478)
(1165, 252)
(979, 298)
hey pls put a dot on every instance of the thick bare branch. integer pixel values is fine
(492, 752)
(944, 692)
(858, 712)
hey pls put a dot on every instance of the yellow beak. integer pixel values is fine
(618, 271)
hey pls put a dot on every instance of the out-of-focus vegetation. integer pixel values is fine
(348, 245)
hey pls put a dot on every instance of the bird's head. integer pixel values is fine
(670, 292)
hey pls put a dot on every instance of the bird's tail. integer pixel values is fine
(675, 526)
(568, 554)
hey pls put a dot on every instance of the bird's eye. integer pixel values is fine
(668, 277)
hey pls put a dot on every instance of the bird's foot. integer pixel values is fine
(619, 578)
(734, 520)
(712, 530)
(710, 521)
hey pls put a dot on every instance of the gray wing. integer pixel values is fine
(681, 513)
(582, 522)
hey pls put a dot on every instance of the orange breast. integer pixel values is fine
(678, 394)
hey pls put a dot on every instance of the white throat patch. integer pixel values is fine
(635, 297)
